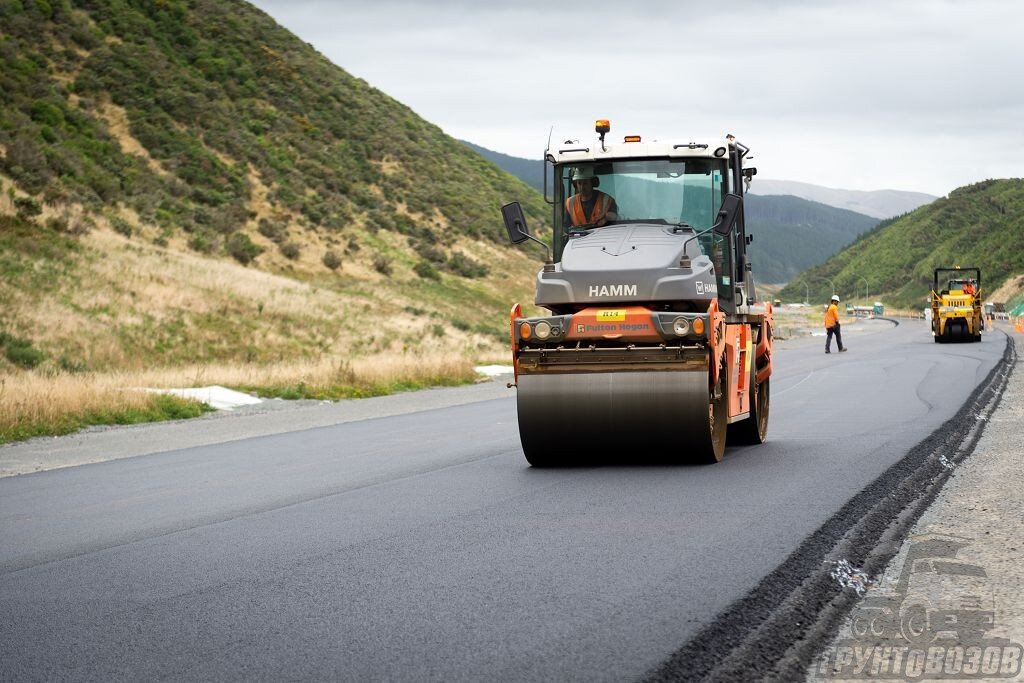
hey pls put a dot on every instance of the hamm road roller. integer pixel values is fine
(654, 348)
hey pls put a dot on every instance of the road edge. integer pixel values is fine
(777, 629)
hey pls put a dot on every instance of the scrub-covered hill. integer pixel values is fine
(978, 225)
(199, 184)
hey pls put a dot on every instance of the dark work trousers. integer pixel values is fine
(828, 337)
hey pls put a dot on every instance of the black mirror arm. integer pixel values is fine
(549, 263)
(684, 260)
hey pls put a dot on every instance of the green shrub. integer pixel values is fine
(382, 264)
(291, 249)
(20, 351)
(430, 252)
(121, 226)
(203, 242)
(27, 207)
(466, 267)
(47, 114)
(242, 248)
(272, 231)
(461, 324)
(426, 269)
(332, 260)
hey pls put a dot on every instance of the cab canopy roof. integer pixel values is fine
(572, 151)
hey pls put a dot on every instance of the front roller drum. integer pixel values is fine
(588, 418)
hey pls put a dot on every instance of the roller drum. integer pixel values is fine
(622, 417)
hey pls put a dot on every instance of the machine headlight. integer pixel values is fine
(681, 327)
(542, 329)
(698, 326)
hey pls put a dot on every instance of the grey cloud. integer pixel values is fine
(861, 78)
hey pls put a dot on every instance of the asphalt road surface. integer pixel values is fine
(422, 546)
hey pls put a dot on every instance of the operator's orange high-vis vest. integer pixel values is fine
(574, 205)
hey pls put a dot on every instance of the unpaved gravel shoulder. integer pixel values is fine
(980, 514)
(98, 444)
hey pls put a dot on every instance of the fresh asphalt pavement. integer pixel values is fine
(422, 546)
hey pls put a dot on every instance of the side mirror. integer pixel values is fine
(515, 223)
(727, 214)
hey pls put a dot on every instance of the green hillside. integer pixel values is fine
(793, 234)
(204, 128)
(978, 225)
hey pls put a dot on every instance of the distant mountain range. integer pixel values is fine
(528, 170)
(876, 203)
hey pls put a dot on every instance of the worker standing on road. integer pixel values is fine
(832, 325)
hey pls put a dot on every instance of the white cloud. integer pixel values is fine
(860, 95)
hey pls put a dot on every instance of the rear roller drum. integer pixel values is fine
(709, 448)
(753, 430)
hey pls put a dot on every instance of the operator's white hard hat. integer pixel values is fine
(835, 297)
(583, 173)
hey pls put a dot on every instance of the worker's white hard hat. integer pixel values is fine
(835, 297)
(582, 173)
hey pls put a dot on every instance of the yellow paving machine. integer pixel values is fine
(957, 305)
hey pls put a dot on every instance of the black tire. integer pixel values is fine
(713, 449)
(754, 430)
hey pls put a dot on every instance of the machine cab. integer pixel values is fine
(683, 194)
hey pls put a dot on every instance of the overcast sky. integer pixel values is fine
(858, 94)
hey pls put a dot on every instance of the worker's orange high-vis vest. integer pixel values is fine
(831, 315)
(574, 205)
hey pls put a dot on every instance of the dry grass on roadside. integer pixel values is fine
(36, 404)
(324, 378)
(30, 397)
(33, 404)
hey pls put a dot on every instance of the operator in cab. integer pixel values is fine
(589, 206)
